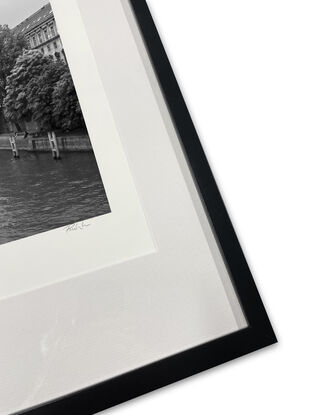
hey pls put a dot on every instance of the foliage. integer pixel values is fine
(29, 89)
(41, 89)
(11, 46)
(67, 112)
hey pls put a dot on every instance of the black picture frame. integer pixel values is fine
(259, 332)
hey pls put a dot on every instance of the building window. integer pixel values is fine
(53, 32)
(42, 50)
(55, 45)
(46, 35)
(34, 41)
(48, 48)
(40, 37)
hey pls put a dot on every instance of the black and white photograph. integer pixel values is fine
(49, 176)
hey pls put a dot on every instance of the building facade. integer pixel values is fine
(41, 33)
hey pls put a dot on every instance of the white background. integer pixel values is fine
(245, 70)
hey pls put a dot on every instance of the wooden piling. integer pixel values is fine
(54, 145)
(14, 148)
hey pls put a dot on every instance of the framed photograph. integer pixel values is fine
(120, 271)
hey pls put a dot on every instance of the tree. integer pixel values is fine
(11, 46)
(67, 112)
(41, 89)
(30, 88)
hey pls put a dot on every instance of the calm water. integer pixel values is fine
(38, 194)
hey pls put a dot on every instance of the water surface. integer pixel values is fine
(38, 194)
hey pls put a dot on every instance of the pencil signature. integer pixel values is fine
(78, 226)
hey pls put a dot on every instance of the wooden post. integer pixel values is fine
(14, 148)
(54, 145)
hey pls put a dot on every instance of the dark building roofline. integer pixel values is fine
(36, 19)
